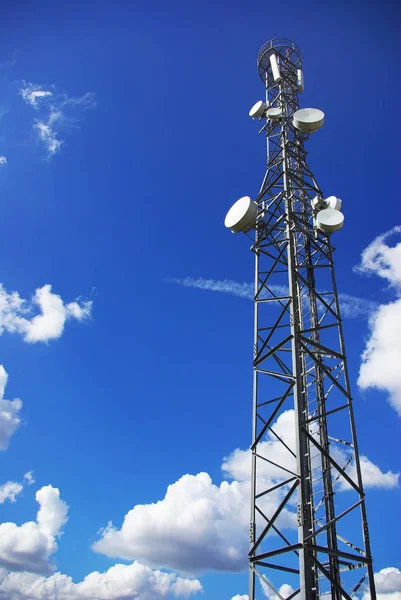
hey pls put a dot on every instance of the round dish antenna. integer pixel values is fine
(241, 217)
(258, 110)
(308, 119)
(329, 220)
(274, 112)
(334, 202)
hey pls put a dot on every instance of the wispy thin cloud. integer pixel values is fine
(3, 160)
(34, 94)
(351, 306)
(57, 113)
(227, 286)
(29, 478)
(88, 100)
(48, 137)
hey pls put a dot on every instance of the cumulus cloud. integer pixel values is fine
(16, 314)
(57, 113)
(388, 584)
(388, 587)
(238, 464)
(284, 590)
(10, 410)
(3, 160)
(28, 547)
(351, 306)
(199, 525)
(382, 355)
(135, 581)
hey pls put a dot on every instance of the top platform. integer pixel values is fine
(284, 48)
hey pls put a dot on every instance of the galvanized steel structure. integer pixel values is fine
(300, 366)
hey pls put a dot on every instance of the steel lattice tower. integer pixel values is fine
(300, 365)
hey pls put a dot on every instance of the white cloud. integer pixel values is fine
(381, 359)
(227, 286)
(200, 525)
(10, 490)
(28, 478)
(388, 580)
(57, 113)
(53, 511)
(48, 137)
(382, 260)
(388, 587)
(29, 546)
(382, 355)
(388, 584)
(373, 477)
(238, 464)
(3, 160)
(351, 306)
(284, 590)
(86, 101)
(197, 526)
(34, 94)
(135, 581)
(9, 413)
(16, 314)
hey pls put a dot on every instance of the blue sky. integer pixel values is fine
(114, 186)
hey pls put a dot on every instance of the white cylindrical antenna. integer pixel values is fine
(329, 220)
(241, 217)
(308, 119)
(300, 80)
(334, 202)
(258, 110)
(275, 68)
(274, 112)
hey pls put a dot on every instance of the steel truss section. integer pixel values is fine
(308, 519)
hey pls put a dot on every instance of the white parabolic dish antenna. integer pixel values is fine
(308, 119)
(274, 112)
(329, 220)
(242, 215)
(257, 110)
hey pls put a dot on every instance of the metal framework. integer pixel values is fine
(308, 519)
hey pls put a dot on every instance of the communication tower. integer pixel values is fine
(302, 405)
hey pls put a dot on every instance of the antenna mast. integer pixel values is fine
(302, 403)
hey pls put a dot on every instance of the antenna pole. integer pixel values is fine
(302, 403)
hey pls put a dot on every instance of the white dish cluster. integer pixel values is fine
(242, 216)
(328, 215)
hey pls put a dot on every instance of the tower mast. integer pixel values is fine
(302, 404)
